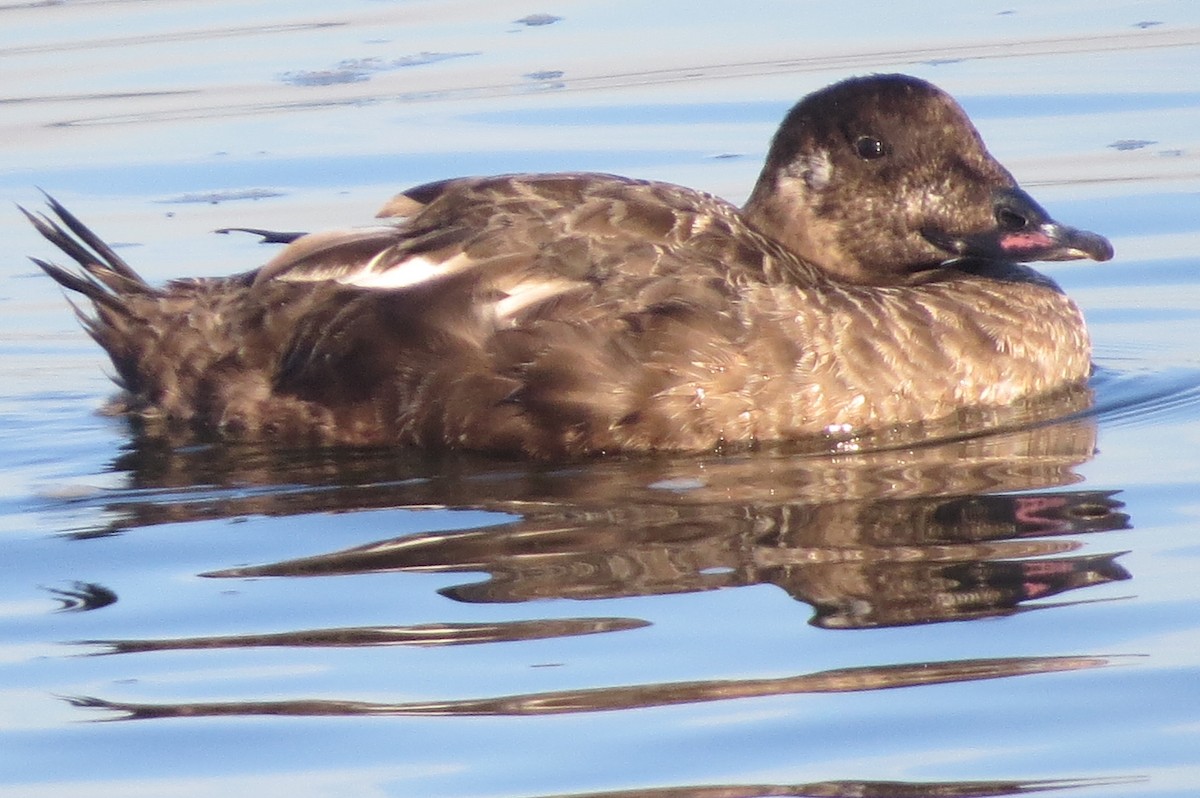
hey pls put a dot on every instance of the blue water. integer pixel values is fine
(1009, 614)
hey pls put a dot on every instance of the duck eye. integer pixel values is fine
(869, 148)
(1010, 220)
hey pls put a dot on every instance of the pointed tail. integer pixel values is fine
(118, 294)
(106, 277)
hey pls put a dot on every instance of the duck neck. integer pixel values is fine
(782, 211)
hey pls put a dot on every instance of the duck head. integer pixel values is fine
(876, 178)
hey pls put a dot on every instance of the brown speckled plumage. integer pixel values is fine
(871, 280)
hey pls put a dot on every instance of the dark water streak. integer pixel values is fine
(845, 680)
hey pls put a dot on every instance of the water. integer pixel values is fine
(1012, 613)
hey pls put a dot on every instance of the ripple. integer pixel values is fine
(1146, 398)
(231, 102)
(356, 70)
(441, 634)
(865, 789)
(639, 696)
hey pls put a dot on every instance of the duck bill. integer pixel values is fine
(1051, 241)
(1024, 232)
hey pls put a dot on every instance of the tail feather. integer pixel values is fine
(89, 288)
(120, 298)
(110, 276)
(110, 258)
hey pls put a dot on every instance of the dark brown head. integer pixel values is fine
(878, 177)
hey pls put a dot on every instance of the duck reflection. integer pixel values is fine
(859, 564)
(868, 539)
(968, 527)
(638, 696)
(425, 635)
(862, 789)
(960, 528)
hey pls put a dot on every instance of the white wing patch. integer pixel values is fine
(526, 294)
(412, 271)
(328, 255)
(505, 290)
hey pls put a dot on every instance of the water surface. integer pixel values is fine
(1001, 615)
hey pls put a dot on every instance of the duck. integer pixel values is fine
(876, 277)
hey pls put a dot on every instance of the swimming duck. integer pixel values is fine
(872, 279)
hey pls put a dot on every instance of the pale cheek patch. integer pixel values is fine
(817, 170)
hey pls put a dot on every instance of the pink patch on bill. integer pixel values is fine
(1021, 242)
